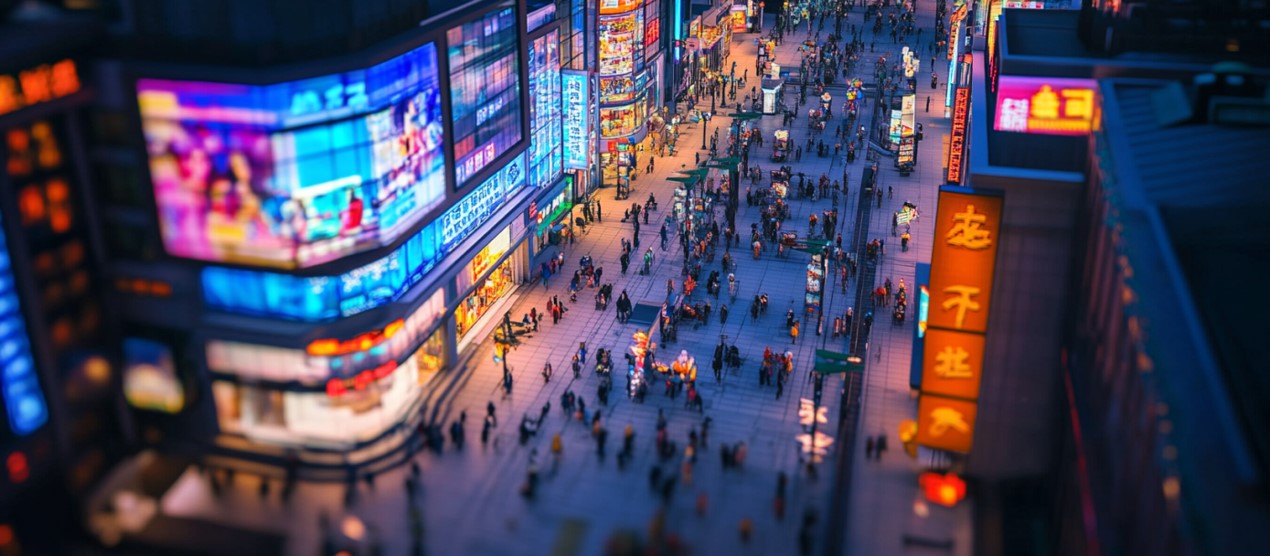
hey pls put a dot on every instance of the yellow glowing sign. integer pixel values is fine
(946, 423)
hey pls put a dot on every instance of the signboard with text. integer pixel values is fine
(576, 91)
(963, 265)
(957, 139)
(945, 423)
(1045, 105)
(38, 85)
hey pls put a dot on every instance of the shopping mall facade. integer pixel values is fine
(281, 250)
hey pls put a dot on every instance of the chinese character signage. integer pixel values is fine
(951, 363)
(945, 423)
(576, 118)
(957, 139)
(963, 263)
(1045, 105)
(963, 260)
(36, 85)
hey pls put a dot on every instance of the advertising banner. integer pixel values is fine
(576, 91)
(897, 118)
(484, 91)
(1045, 105)
(957, 139)
(739, 23)
(298, 173)
(908, 116)
(907, 151)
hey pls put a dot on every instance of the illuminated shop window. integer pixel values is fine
(488, 292)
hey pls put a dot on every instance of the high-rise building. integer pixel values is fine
(1115, 398)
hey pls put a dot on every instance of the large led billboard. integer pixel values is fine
(320, 298)
(484, 91)
(545, 164)
(298, 173)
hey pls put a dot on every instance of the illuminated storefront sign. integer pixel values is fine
(463, 218)
(963, 264)
(617, 6)
(325, 358)
(23, 398)
(952, 363)
(957, 139)
(545, 163)
(1024, 4)
(967, 226)
(946, 423)
(954, 29)
(576, 87)
(318, 298)
(297, 173)
(484, 90)
(738, 18)
(1045, 105)
(337, 398)
(36, 85)
(617, 43)
(617, 89)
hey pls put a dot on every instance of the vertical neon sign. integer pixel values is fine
(23, 399)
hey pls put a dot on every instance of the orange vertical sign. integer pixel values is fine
(963, 261)
(952, 363)
(946, 423)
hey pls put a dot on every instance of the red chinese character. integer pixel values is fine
(10, 100)
(35, 85)
(65, 78)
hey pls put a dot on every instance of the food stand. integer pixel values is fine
(780, 145)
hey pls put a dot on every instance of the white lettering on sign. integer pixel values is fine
(351, 95)
(473, 210)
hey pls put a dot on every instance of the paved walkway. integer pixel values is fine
(470, 500)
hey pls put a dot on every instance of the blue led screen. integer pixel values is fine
(24, 401)
(319, 298)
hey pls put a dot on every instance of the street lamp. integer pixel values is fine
(705, 128)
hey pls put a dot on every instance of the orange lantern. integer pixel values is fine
(945, 490)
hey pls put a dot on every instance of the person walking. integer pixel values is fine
(793, 333)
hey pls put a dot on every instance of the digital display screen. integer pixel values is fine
(617, 44)
(23, 399)
(299, 173)
(1045, 105)
(322, 298)
(484, 91)
(576, 91)
(545, 158)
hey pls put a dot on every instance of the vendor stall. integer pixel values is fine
(780, 145)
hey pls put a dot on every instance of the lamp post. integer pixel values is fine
(705, 128)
